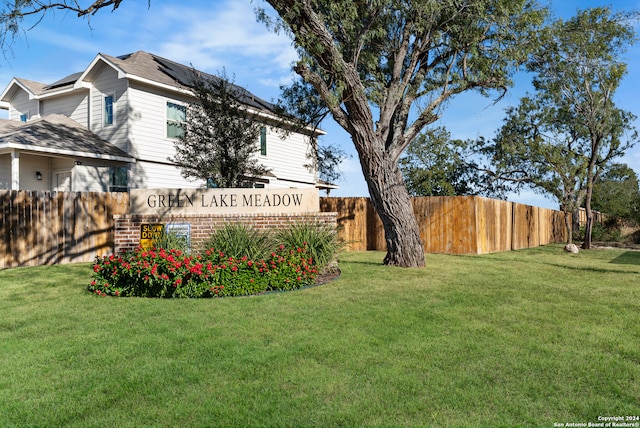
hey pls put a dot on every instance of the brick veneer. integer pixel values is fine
(127, 226)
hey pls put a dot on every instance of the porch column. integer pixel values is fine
(15, 170)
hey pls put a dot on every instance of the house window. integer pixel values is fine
(263, 141)
(107, 111)
(118, 179)
(252, 185)
(176, 116)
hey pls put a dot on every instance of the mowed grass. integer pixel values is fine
(525, 338)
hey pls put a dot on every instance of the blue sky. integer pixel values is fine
(216, 34)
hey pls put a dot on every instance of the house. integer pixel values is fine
(112, 127)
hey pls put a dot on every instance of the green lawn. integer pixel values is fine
(526, 338)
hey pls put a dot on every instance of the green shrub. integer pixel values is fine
(607, 232)
(320, 240)
(239, 240)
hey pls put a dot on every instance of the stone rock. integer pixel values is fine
(571, 248)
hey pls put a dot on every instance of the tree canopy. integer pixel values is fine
(219, 138)
(434, 165)
(616, 193)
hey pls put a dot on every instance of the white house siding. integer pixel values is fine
(152, 148)
(106, 83)
(286, 159)
(157, 176)
(74, 106)
(5, 171)
(148, 123)
(21, 104)
(87, 178)
(29, 165)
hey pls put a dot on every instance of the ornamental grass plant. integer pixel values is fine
(320, 241)
(241, 240)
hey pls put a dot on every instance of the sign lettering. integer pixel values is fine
(214, 201)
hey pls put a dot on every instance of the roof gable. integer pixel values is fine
(33, 89)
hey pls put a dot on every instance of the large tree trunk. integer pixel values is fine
(392, 203)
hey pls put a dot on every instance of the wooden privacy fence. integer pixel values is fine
(39, 228)
(453, 224)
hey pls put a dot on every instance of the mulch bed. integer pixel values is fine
(328, 275)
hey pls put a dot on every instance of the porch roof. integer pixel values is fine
(57, 134)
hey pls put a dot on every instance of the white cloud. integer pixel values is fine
(222, 34)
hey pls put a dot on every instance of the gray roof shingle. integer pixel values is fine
(56, 133)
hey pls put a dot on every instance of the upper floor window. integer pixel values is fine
(107, 110)
(176, 116)
(263, 141)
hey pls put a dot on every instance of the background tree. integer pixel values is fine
(559, 139)
(529, 151)
(616, 193)
(578, 69)
(220, 137)
(434, 165)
